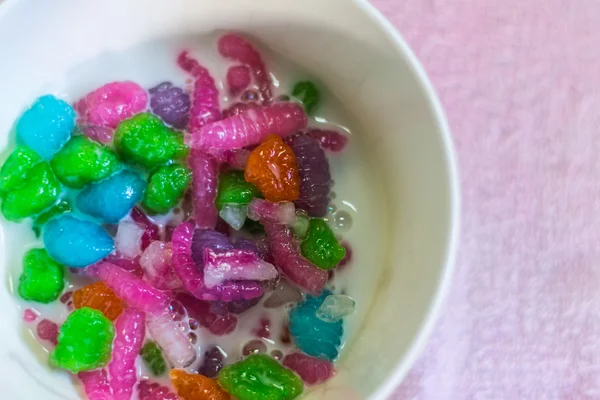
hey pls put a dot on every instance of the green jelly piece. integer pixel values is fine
(39, 191)
(166, 187)
(84, 341)
(153, 359)
(321, 246)
(42, 279)
(233, 188)
(260, 377)
(308, 93)
(144, 139)
(61, 208)
(16, 167)
(82, 161)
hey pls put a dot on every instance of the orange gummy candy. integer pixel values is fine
(99, 297)
(273, 170)
(197, 387)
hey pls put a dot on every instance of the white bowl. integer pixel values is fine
(364, 61)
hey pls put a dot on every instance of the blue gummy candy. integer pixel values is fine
(76, 243)
(113, 198)
(312, 335)
(46, 126)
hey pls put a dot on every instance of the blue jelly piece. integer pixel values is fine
(113, 198)
(76, 243)
(312, 335)
(46, 126)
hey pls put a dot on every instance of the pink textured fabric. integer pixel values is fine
(519, 81)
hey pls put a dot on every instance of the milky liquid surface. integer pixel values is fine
(358, 203)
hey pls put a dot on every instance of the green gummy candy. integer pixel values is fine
(60, 208)
(82, 161)
(39, 190)
(84, 341)
(42, 279)
(308, 93)
(16, 167)
(144, 139)
(233, 188)
(260, 377)
(166, 187)
(321, 246)
(153, 359)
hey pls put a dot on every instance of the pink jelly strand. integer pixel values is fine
(238, 79)
(95, 384)
(249, 128)
(287, 258)
(205, 101)
(237, 48)
(171, 338)
(191, 276)
(134, 291)
(205, 171)
(156, 262)
(130, 330)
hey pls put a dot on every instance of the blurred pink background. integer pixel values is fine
(520, 82)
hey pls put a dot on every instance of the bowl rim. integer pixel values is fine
(397, 375)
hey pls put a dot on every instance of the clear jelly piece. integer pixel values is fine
(335, 307)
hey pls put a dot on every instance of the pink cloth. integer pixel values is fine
(520, 81)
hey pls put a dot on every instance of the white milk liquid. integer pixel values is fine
(357, 188)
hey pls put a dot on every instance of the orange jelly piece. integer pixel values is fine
(99, 297)
(197, 387)
(273, 170)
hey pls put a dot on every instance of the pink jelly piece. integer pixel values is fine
(237, 158)
(151, 231)
(238, 108)
(134, 291)
(156, 262)
(238, 79)
(205, 171)
(130, 331)
(192, 277)
(235, 265)
(329, 140)
(30, 315)
(130, 265)
(237, 48)
(111, 104)
(95, 385)
(287, 258)
(264, 328)
(249, 128)
(203, 312)
(205, 101)
(282, 213)
(47, 330)
(153, 391)
(312, 370)
(100, 134)
(172, 339)
(66, 297)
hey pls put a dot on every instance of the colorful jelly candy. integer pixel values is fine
(238, 79)
(171, 103)
(46, 126)
(99, 297)
(312, 335)
(312, 370)
(335, 307)
(47, 330)
(148, 390)
(234, 214)
(272, 168)
(172, 339)
(235, 265)
(329, 140)
(42, 279)
(166, 187)
(196, 387)
(203, 312)
(76, 243)
(233, 188)
(321, 247)
(111, 199)
(260, 377)
(16, 166)
(37, 192)
(95, 384)
(212, 362)
(204, 188)
(153, 359)
(283, 212)
(144, 139)
(84, 341)
(83, 161)
(156, 262)
(60, 208)
(308, 93)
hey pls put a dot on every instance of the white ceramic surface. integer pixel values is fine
(346, 44)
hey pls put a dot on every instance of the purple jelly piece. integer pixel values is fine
(171, 103)
(239, 306)
(213, 362)
(130, 265)
(315, 178)
(47, 330)
(203, 312)
(329, 140)
(211, 239)
(204, 188)
(238, 78)
(247, 244)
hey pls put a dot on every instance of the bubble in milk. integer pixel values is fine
(342, 221)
